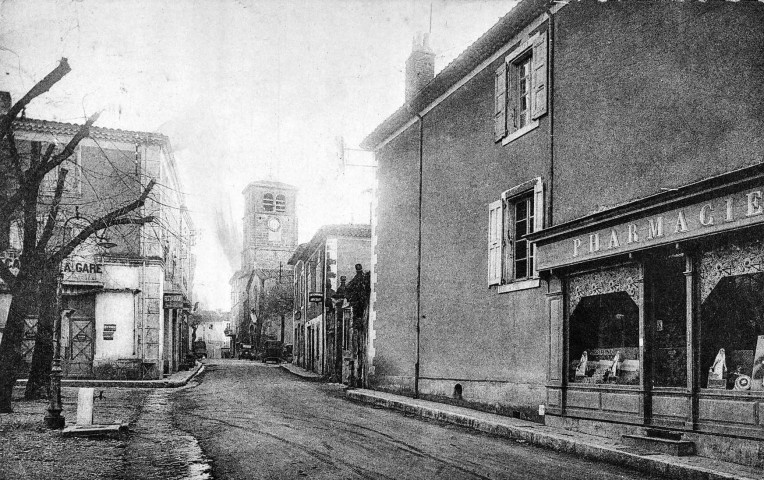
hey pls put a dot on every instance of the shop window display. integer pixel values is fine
(732, 334)
(732, 316)
(604, 340)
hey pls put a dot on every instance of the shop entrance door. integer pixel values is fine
(667, 396)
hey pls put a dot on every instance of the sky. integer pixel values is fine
(246, 90)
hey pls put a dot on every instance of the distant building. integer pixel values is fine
(270, 236)
(214, 333)
(319, 340)
(131, 285)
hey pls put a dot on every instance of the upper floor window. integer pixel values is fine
(521, 89)
(268, 202)
(521, 216)
(280, 203)
(511, 256)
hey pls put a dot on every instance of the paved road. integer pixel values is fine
(260, 422)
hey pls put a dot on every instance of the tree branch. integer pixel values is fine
(53, 214)
(47, 164)
(15, 159)
(91, 229)
(108, 220)
(41, 87)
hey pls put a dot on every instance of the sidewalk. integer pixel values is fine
(587, 446)
(175, 380)
(301, 372)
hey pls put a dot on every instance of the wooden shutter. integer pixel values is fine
(500, 107)
(511, 97)
(539, 79)
(495, 232)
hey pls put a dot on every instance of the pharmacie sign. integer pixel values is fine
(721, 214)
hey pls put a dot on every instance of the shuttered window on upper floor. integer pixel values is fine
(520, 89)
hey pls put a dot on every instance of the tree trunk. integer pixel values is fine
(38, 383)
(10, 346)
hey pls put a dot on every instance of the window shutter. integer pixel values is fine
(495, 229)
(500, 107)
(539, 63)
(511, 97)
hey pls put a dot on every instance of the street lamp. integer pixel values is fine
(54, 419)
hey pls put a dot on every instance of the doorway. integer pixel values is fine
(665, 336)
(78, 361)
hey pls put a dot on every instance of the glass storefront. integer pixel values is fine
(732, 316)
(604, 327)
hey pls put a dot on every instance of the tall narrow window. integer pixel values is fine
(268, 202)
(523, 92)
(519, 213)
(522, 221)
(280, 203)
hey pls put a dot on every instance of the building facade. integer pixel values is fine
(581, 186)
(319, 332)
(130, 286)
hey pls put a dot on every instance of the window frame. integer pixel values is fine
(507, 281)
(532, 51)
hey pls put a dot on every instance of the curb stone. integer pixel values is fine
(165, 383)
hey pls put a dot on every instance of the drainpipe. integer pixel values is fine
(550, 98)
(419, 260)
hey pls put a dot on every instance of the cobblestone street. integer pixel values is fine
(243, 419)
(260, 422)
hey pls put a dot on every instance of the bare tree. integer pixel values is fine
(32, 287)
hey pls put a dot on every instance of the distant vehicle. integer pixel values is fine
(247, 354)
(274, 351)
(200, 349)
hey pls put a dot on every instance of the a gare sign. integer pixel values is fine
(720, 214)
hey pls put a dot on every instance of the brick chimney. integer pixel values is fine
(5, 102)
(420, 66)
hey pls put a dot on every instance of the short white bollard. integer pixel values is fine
(85, 407)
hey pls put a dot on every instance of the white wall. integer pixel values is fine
(114, 308)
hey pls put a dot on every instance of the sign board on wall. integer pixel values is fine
(315, 297)
(108, 331)
(81, 270)
(173, 300)
(726, 213)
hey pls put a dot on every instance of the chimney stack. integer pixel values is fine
(420, 66)
(5, 102)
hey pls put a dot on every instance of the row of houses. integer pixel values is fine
(130, 286)
(567, 224)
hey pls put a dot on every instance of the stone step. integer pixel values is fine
(677, 448)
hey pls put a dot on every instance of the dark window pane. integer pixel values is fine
(521, 249)
(521, 229)
(521, 212)
(521, 267)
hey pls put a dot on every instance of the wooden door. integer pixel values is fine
(81, 336)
